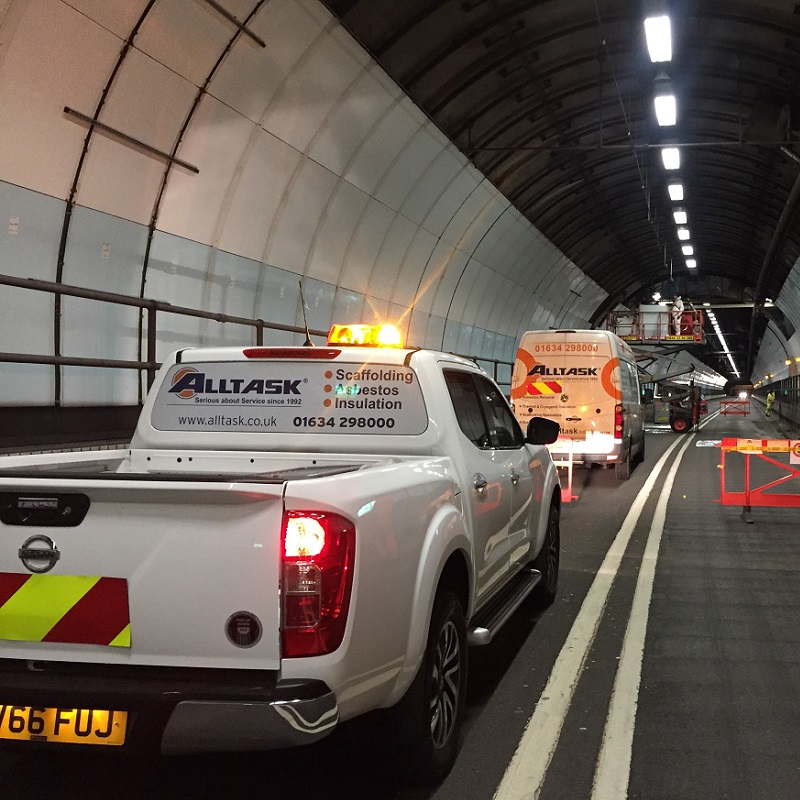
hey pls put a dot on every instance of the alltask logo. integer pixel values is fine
(541, 369)
(188, 382)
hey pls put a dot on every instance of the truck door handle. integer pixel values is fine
(573, 419)
(480, 483)
(514, 477)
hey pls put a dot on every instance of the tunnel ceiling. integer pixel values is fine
(553, 102)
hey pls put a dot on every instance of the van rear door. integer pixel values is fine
(571, 377)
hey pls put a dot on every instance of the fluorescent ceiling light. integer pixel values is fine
(680, 217)
(659, 38)
(675, 191)
(707, 305)
(692, 264)
(688, 250)
(671, 157)
(666, 110)
(722, 341)
(683, 234)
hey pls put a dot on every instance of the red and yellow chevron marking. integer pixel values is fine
(80, 609)
(543, 387)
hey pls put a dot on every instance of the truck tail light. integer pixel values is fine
(318, 553)
(619, 422)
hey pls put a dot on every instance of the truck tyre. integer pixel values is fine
(680, 424)
(428, 719)
(547, 561)
(640, 455)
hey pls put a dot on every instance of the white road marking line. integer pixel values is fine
(614, 762)
(708, 419)
(525, 774)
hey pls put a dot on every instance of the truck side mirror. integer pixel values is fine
(542, 431)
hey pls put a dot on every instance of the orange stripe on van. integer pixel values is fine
(606, 379)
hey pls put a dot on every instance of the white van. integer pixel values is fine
(587, 381)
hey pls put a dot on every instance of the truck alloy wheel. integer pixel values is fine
(445, 685)
(428, 718)
(547, 561)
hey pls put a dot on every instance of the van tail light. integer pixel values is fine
(317, 554)
(619, 422)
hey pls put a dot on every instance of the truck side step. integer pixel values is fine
(485, 624)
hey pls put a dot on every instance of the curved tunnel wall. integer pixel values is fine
(313, 166)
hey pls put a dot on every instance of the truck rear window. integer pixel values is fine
(289, 397)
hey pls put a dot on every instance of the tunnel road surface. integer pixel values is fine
(667, 669)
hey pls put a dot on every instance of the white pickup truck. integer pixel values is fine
(296, 536)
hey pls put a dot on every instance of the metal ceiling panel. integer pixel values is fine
(251, 76)
(313, 89)
(436, 180)
(294, 227)
(474, 218)
(129, 110)
(119, 18)
(452, 198)
(412, 161)
(349, 124)
(498, 243)
(256, 193)
(450, 264)
(377, 152)
(391, 255)
(41, 145)
(215, 141)
(203, 35)
(360, 269)
(409, 289)
(332, 237)
(472, 274)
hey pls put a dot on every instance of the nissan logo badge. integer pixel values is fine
(243, 629)
(39, 553)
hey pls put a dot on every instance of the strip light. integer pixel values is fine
(666, 110)
(718, 332)
(671, 157)
(658, 32)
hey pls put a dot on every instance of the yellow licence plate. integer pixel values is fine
(67, 725)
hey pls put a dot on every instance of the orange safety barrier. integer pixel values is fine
(734, 406)
(760, 495)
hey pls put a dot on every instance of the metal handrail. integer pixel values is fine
(153, 307)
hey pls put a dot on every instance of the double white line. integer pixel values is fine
(525, 775)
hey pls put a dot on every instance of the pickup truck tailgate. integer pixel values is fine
(187, 571)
